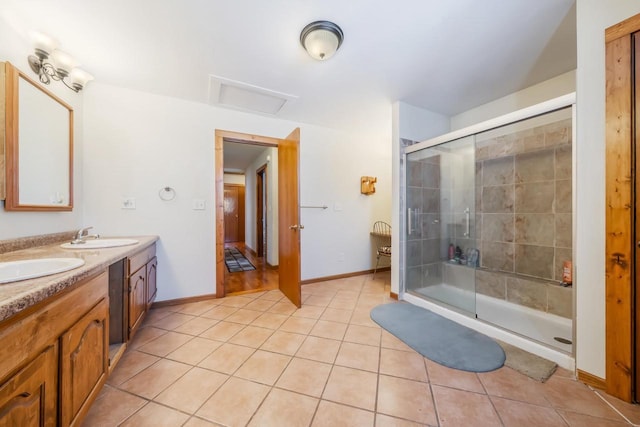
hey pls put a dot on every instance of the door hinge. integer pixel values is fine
(618, 258)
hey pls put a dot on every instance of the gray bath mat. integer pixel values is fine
(533, 366)
(441, 340)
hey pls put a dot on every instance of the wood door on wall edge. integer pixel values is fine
(289, 217)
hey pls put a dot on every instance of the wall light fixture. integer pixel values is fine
(49, 63)
(321, 39)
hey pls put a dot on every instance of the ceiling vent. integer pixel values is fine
(243, 96)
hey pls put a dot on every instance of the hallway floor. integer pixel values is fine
(263, 277)
(256, 360)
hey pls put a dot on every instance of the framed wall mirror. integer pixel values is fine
(39, 146)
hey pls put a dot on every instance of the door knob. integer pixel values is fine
(296, 227)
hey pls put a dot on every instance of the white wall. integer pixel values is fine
(136, 143)
(233, 178)
(15, 48)
(552, 88)
(593, 17)
(416, 124)
(331, 165)
(251, 237)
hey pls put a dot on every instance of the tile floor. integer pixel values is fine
(256, 360)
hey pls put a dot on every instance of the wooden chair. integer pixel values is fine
(382, 238)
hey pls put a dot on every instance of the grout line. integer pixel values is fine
(433, 395)
(375, 405)
(486, 393)
(611, 406)
(133, 413)
(494, 406)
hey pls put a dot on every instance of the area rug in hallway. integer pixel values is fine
(236, 261)
(439, 339)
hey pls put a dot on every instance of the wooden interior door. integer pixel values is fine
(621, 182)
(289, 226)
(618, 250)
(636, 217)
(233, 213)
(230, 213)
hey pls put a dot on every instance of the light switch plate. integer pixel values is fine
(128, 203)
(198, 204)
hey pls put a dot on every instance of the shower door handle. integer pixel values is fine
(467, 214)
(409, 222)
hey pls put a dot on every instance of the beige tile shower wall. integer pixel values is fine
(423, 255)
(533, 293)
(523, 214)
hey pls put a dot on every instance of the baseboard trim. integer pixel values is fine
(178, 301)
(252, 291)
(393, 295)
(341, 276)
(592, 380)
(272, 267)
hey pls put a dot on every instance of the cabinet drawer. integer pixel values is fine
(141, 258)
(23, 337)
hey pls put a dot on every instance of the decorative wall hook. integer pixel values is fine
(368, 185)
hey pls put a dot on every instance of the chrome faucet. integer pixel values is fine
(82, 235)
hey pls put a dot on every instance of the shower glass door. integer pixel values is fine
(440, 247)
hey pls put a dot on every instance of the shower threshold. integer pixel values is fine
(544, 328)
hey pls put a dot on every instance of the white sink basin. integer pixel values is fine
(13, 271)
(99, 243)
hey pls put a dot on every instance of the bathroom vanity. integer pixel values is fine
(55, 330)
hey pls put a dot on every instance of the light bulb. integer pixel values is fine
(321, 44)
(63, 62)
(43, 44)
(79, 78)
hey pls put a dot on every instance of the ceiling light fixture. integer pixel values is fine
(61, 66)
(321, 39)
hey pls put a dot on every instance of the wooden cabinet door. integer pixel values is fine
(152, 270)
(84, 363)
(137, 298)
(29, 397)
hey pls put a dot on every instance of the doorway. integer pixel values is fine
(261, 211)
(288, 236)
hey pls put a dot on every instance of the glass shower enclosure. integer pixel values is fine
(488, 225)
(440, 246)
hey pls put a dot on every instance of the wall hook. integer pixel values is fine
(368, 185)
